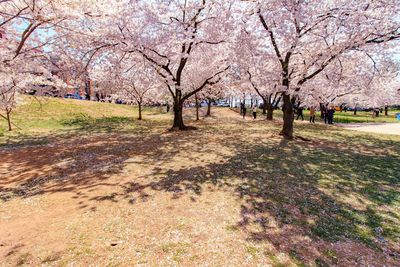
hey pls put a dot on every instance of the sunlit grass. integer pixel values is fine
(46, 117)
(340, 117)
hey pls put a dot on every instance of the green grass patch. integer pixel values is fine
(342, 117)
(36, 120)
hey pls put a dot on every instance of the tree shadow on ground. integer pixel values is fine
(81, 124)
(71, 163)
(85, 124)
(25, 140)
(104, 124)
(298, 196)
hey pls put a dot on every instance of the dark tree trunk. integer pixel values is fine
(386, 111)
(8, 117)
(270, 113)
(288, 117)
(264, 107)
(178, 116)
(197, 107)
(140, 110)
(355, 111)
(9, 120)
(208, 108)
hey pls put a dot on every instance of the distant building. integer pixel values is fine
(248, 99)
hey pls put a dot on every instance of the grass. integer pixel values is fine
(178, 250)
(345, 117)
(38, 119)
(360, 117)
(232, 192)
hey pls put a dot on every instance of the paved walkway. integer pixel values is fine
(383, 128)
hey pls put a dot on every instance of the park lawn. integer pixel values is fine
(231, 192)
(340, 117)
(38, 119)
(360, 117)
(347, 117)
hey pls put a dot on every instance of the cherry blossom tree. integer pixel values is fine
(306, 37)
(13, 83)
(257, 69)
(139, 85)
(26, 30)
(267, 88)
(190, 38)
(211, 94)
(178, 38)
(355, 81)
(293, 51)
(8, 94)
(133, 79)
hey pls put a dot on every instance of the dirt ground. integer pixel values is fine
(152, 199)
(380, 128)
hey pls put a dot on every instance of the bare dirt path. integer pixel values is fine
(381, 128)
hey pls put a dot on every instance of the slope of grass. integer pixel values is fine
(51, 116)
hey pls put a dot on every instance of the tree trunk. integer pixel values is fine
(264, 107)
(178, 116)
(140, 110)
(9, 120)
(355, 111)
(288, 117)
(270, 113)
(386, 111)
(197, 107)
(208, 108)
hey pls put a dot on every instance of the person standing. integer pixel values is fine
(300, 113)
(331, 112)
(312, 115)
(377, 112)
(324, 113)
(254, 109)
